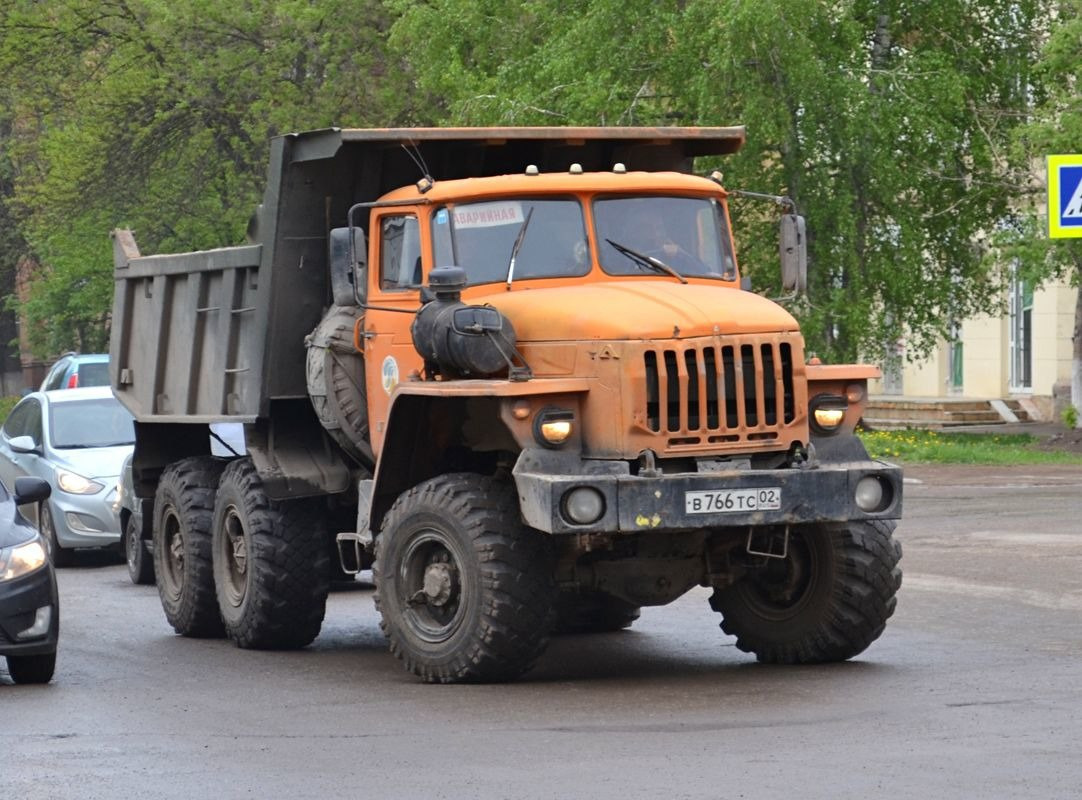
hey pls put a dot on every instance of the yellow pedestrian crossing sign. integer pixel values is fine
(1065, 197)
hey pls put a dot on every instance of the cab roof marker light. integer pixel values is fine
(533, 170)
(619, 168)
(576, 169)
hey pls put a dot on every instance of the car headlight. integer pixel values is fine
(73, 483)
(22, 559)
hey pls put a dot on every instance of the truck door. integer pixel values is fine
(389, 353)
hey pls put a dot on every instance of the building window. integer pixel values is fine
(1020, 304)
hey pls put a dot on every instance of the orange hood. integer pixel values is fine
(636, 310)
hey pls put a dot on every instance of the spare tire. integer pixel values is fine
(335, 376)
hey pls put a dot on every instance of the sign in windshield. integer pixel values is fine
(481, 237)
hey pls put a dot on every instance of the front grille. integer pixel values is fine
(725, 393)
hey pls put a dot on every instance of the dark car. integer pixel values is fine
(29, 606)
(76, 370)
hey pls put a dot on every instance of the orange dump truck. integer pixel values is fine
(517, 373)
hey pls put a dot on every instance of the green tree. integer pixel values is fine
(887, 121)
(1055, 127)
(155, 115)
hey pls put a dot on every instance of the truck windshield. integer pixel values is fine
(479, 237)
(688, 234)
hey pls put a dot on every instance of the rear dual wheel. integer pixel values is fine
(140, 563)
(271, 563)
(183, 510)
(593, 612)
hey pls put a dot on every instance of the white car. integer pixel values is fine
(76, 440)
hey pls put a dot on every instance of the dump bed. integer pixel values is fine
(219, 334)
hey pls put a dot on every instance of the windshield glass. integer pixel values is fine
(480, 237)
(689, 234)
(90, 423)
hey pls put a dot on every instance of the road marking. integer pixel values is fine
(987, 591)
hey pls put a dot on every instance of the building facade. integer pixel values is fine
(1024, 354)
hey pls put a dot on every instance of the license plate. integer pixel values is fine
(721, 501)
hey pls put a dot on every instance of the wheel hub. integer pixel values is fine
(439, 584)
(176, 551)
(240, 555)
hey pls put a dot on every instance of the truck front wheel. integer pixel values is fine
(826, 601)
(182, 563)
(465, 590)
(270, 563)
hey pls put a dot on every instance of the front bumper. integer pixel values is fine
(87, 520)
(20, 600)
(823, 493)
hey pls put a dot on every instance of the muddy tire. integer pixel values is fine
(134, 550)
(593, 612)
(827, 601)
(270, 563)
(464, 589)
(32, 669)
(183, 508)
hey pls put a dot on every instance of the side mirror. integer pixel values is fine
(31, 490)
(794, 254)
(24, 444)
(347, 262)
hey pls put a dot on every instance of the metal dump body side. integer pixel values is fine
(219, 334)
(185, 333)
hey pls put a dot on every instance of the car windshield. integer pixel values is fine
(480, 238)
(90, 423)
(688, 234)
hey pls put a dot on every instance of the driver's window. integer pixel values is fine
(400, 253)
(33, 425)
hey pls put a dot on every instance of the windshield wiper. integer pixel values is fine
(645, 260)
(517, 246)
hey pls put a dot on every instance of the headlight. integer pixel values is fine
(73, 483)
(872, 494)
(583, 505)
(553, 426)
(21, 559)
(828, 412)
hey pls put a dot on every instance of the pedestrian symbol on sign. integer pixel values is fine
(1065, 196)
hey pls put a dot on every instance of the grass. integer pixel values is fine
(932, 447)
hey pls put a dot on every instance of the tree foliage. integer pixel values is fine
(889, 122)
(886, 121)
(155, 115)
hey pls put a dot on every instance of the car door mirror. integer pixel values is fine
(31, 490)
(24, 444)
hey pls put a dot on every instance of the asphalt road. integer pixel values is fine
(974, 691)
